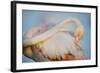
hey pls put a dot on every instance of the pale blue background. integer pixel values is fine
(31, 18)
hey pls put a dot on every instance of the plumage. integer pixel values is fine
(56, 43)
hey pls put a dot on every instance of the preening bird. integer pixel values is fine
(61, 42)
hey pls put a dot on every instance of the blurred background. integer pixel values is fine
(32, 18)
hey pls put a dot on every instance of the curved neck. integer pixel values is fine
(53, 31)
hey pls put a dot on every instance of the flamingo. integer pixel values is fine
(55, 44)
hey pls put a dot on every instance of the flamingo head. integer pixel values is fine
(79, 34)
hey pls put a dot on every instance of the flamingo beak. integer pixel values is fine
(77, 39)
